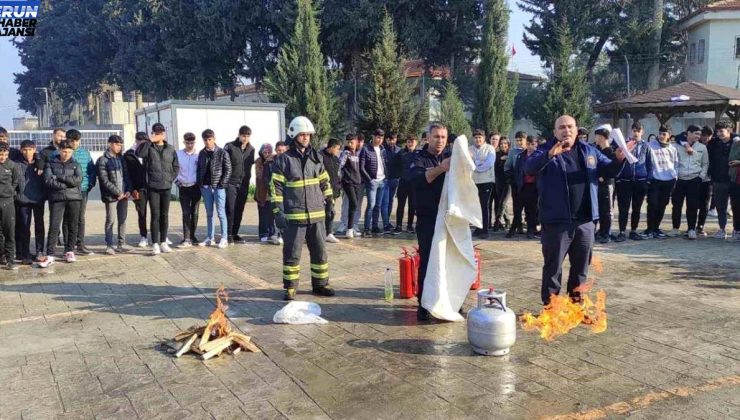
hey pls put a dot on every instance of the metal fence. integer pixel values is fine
(92, 140)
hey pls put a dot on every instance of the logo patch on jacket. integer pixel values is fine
(591, 161)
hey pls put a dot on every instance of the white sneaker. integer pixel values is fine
(332, 239)
(280, 240)
(156, 250)
(674, 233)
(143, 242)
(692, 234)
(110, 251)
(70, 257)
(224, 243)
(165, 247)
(167, 241)
(350, 234)
(207, 242)
(712, 212)
(275, 240)
(264, 239)
(721, 234)
(46, 261)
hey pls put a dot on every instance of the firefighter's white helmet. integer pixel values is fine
(300, 125)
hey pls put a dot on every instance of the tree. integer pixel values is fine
(389, 102)
(567, 91)
(441, 32)
(452, 111)
(591, 25)
(300, 78)
(495, 93)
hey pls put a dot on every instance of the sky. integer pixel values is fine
(523, 62)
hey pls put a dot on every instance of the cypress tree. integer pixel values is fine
(300, 78)
(390, 101)
(567, 92)
(452, 111)
(494, 99)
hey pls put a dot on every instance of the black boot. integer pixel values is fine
(323, 291)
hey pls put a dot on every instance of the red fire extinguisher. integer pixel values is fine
(408, 268)
(476, 283)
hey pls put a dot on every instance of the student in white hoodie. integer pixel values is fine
(662, 180)
(693, 163)
(484, 157)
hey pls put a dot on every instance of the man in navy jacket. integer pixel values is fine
(568, 180)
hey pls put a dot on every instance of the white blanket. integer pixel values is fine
(452, 267)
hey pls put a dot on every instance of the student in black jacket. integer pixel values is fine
(161, 168)
(8, 186)
(13, 154)
(214, 169)
(62, 176)
(115, 189)
(29, 204)
(606, 187)
(135, 169)
(405, 187)
(330, 157)
(503, 185)
(241, 154)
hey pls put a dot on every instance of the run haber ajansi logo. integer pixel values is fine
(18, 17)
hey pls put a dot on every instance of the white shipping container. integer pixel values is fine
(267, 121)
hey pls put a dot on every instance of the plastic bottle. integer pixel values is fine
(388, 285)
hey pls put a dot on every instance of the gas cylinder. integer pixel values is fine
(491, 326)
(408, 271)
(476, 283)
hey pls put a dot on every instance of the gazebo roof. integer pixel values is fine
(701, 98)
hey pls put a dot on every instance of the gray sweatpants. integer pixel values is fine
(117, 210)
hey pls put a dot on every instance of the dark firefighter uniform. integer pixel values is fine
(299, 189)
(427, 204)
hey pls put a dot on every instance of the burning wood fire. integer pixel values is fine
(213, 338)
(562, 314)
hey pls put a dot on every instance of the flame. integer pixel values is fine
(217, 322)
(563, 314)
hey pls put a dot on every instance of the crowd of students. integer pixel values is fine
(63, 173)
(700, 167)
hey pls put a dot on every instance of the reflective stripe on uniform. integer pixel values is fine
(329, 192)
(276, 199)
(320, 271)
(290, 277)
(306, 216)
(278, 177)
(291, 272)
(302, 183)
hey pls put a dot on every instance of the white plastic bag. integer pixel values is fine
(299, 312)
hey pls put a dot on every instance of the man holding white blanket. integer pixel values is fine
(447, 203)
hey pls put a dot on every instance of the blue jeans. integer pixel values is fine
(374, 191)
(216, 196)
(386, 204)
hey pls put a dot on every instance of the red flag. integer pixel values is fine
(513, 50)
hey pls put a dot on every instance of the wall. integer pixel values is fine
(698, 71)
(723, 66)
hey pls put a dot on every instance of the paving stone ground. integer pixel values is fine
(80, 341)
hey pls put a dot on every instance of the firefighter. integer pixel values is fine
(300, 191)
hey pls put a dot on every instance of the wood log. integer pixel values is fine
(215, 343)
(195, 329)
(206, 336)
(186, 347)
(245, 344)
(217, 350)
